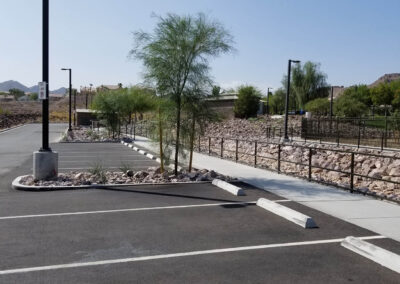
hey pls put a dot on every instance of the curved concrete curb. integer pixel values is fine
(377, 254)
(143, 152)
(18, 186)
(228, 187)
(287, 213)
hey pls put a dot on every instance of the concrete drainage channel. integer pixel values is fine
(358, 245)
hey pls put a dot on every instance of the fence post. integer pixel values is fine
(383, 138)
(352, 173)
(279, 158)
(209, 146)
(309, 163)
(255, 153)
(222, 147)
(236, 152)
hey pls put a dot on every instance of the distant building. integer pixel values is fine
(6, 98)
(224, 104)
(107, 87)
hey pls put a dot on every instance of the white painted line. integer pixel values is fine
(158, 160)
(142, 152)
(124, 210)
(12, 128)
(135, 148)
(377, 254)
(150, 156)
(282, 200)
(171, 255)
(130, 145)
(287, 213)
(228, 187)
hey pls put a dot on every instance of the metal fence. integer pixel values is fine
(299, 161)
(276, 157)
(376, 132)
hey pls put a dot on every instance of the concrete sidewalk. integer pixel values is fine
(379, 216)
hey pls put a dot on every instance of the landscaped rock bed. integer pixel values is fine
(151, 175)
(86, 134)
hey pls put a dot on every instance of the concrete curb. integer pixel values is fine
(377, 254)
(287, 213)
(148, 155)
(228, 187)
(18, 186)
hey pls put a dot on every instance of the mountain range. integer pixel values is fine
(11, 84)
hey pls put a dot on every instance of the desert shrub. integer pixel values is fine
(248, 102)
(318, 106)
(349, 107)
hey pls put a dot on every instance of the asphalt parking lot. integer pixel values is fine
(194, 233)
(83, 156)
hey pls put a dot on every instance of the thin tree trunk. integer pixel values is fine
(178, 126)
(161, 141)
(191, 144)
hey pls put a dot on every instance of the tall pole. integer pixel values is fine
(86, 93)
(70, 99)
(286, 137)
(45, 76)
(75, 107)
(268, 101)
(287, 101)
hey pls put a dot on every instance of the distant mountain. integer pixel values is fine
(386, 79)
(5, 86)
(11, 84)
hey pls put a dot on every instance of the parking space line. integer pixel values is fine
(174, 255)
(126, 210)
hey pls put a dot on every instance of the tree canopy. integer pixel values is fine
(176, 57)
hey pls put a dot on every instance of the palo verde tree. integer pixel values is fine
(177, 54)
(308, 82)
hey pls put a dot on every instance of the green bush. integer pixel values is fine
(318, 106)
(248, 102)
(349, 107)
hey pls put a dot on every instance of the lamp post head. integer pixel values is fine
(295, 61)
(65, 69)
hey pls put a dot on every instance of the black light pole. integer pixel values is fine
(268, 99)
(286, 137)
(86, 93)
(90, 92)
(70, 96)
(45, 76)
(75, 107)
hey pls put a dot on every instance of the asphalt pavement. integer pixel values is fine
(174, 234)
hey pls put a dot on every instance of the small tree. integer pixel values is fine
(318, 106)
(349, 107)
(277, 101)
(248, 102)
(108, 108)
(176, 56)
(16, 93)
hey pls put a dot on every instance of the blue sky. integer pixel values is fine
(355, 41)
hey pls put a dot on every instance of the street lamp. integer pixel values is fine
(268, 99)
(70, 96)
(90, 93)
(286, 137)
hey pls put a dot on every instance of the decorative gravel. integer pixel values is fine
(151, 175)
